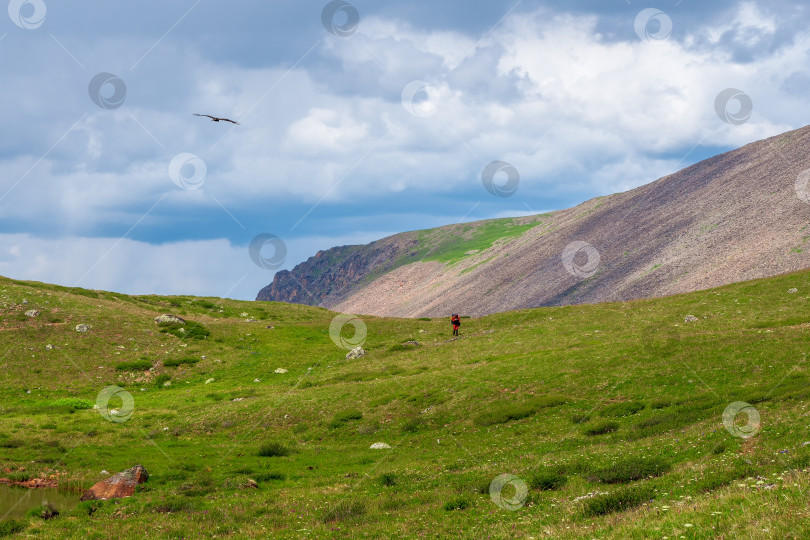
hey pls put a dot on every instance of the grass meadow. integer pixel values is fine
(608, 419)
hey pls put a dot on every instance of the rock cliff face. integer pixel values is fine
(332, 274)
(741, 215)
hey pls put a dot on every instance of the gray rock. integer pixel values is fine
(166, 318)
(32, 313)
(690, 318)
(355, 353)
(82, 328)
(794, 290)
(380, 446)
(412, 343)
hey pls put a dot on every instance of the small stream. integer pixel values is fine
(16, 501)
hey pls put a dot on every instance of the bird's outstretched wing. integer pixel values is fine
(216, 119)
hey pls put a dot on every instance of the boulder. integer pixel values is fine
(82, 328)
(690, 318)
(380, 446)
(171, 319)
(117, 486)
(355, 353)
(32, 313)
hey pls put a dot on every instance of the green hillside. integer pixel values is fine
(610, 414)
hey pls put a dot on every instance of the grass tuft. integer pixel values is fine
(619, 410)
(347, 510)
(344, 417)
(601, 428)
(175, 362)
(135, 365)
(618, 501)
(72, 404)
(548, 480)
(190, 330)
(10, 526)
(506, 412)
(388, 479)
(458, 503)
(44, 511)
(629, 470)
(273, 449)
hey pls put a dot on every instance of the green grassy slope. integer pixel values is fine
(452, 244)
(611, 414)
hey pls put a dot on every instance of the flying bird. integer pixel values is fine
(215, 119)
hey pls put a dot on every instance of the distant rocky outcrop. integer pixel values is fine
(169, 319)
(734, 217)
(117, 486)
(334, 273)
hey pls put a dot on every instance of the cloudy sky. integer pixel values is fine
(358, 120)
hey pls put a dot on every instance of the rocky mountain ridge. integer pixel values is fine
(737, 216)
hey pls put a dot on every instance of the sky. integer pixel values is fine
(357, 120)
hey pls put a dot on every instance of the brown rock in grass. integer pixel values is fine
(117, 486)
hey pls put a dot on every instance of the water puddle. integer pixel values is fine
(16, 501)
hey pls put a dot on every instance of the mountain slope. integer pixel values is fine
(730, 218)
(616, 408)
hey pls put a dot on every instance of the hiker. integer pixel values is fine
(456, 322)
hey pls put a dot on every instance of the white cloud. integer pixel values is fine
(557, 93)
(749, 27)
(204, 268)
(578, 114)
(325, 131)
